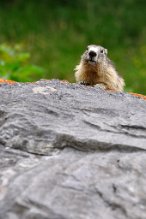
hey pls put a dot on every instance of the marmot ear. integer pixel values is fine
(106, 51)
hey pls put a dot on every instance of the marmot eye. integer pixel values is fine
(101, 51)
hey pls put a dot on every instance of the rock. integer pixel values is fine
(71, 152)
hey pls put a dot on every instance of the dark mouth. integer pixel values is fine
(91, 60)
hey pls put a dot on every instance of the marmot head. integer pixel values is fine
(94, 54)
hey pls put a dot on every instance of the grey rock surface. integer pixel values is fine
(68, 151)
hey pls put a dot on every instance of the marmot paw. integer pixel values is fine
(84, 83)
(102, 86)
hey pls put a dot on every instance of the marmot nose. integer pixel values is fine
(92, 54)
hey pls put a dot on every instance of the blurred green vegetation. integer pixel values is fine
(14, 64)
(56, 32)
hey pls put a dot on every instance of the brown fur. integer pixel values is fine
(99, 73)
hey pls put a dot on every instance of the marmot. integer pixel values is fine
(96, 68)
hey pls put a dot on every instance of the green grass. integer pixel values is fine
(56, 33)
